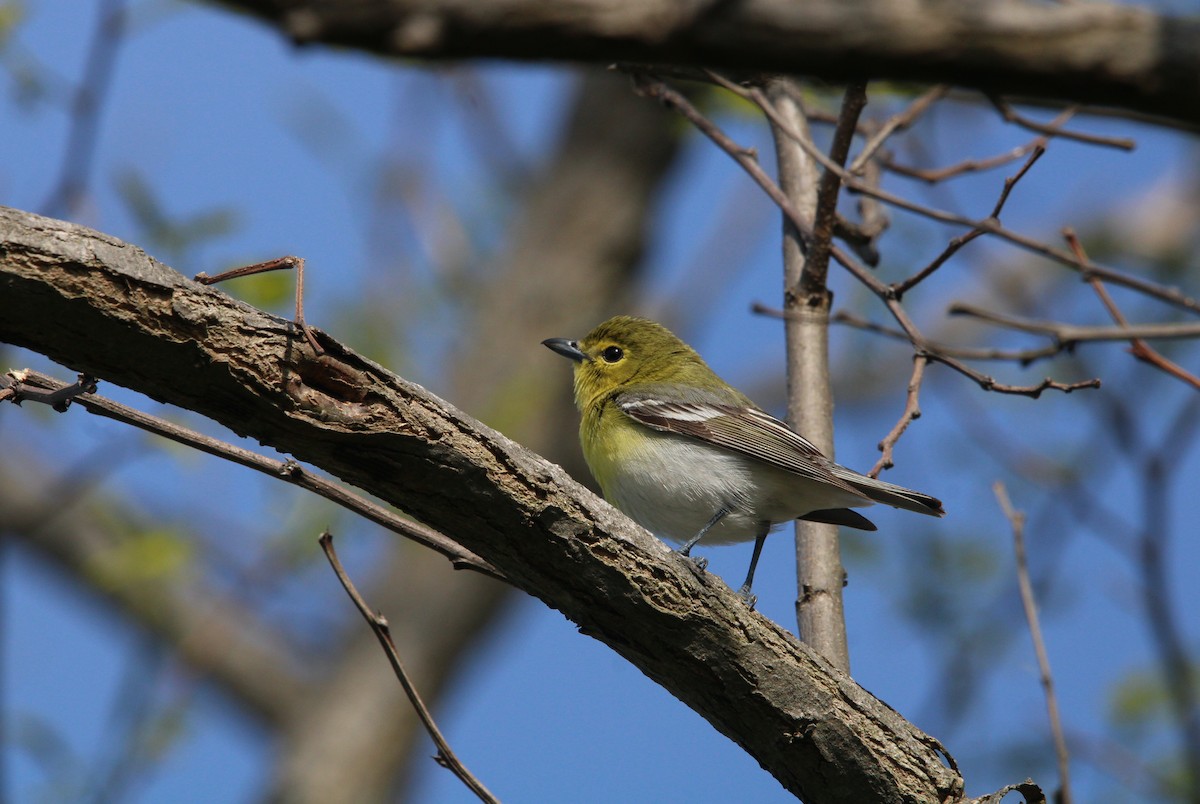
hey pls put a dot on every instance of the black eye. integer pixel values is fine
(612, 354)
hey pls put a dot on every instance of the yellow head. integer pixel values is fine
(625, 352)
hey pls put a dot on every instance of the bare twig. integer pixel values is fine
(14, 387)
(26, 384)
(747, 158)
(991, 226)
(816, 267)
(657, 89)
(912, 412)
(1017, 520)
(1071, 333)
(1011, 115)
(895, 123)
(900, 288)
(952, 248)
(1137, 346)
(988, 383)
(1011, 181)
(935, 175)
(276, 264)
(379, 625)
(1046, 132)
(950, 357)
(1021, 356)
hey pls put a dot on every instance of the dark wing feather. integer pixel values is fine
(743, 429)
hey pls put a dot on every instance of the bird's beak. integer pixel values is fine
(566, 348)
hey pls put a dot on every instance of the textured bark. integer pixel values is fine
(1098, 53)
(102, 306)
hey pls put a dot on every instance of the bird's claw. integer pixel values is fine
(696, 561)
(748, 597)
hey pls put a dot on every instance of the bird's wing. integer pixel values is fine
(736, 427)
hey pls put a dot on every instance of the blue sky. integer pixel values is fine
(214, 111)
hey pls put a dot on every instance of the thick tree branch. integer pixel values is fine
(1101, 53)
(104, 307)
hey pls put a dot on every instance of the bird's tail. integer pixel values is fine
(889, 493)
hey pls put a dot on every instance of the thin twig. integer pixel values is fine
(1011, 115)
(949, 357)
(952, 248)
(896, 123)
(1017, 520)
(912, 412)
(1169, 295)
(1011, 181)
(653, 88)
(935, 175)
(16, 388)
(1137, 346)
(1022, 356)
(276, 264)
(816, 268)
(379, 625)
(658, 90)
(952, 357)
(988, 383)
(900, 288)
(1071, 333)
(26, 384)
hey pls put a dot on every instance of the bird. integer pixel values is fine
(690, 458)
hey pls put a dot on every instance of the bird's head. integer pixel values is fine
(626, 352)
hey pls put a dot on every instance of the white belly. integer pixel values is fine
(676, 487)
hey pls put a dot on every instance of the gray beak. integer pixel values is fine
(566, 348)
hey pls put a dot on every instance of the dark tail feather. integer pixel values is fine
(890, 494)
(840, 516)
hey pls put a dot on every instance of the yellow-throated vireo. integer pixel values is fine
(689, 457)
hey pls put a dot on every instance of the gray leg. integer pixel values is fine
(686, 549)
(744, 592)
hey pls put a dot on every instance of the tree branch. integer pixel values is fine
(379, 626)
(820, 610)
(22, 385)
(1108, 54)
(106, 308)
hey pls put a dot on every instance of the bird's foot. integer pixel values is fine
(698, 562)
(748, 597)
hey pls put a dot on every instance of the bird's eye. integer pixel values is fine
(612, 354)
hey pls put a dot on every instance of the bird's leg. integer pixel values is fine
(686, 549)
(744, 593)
